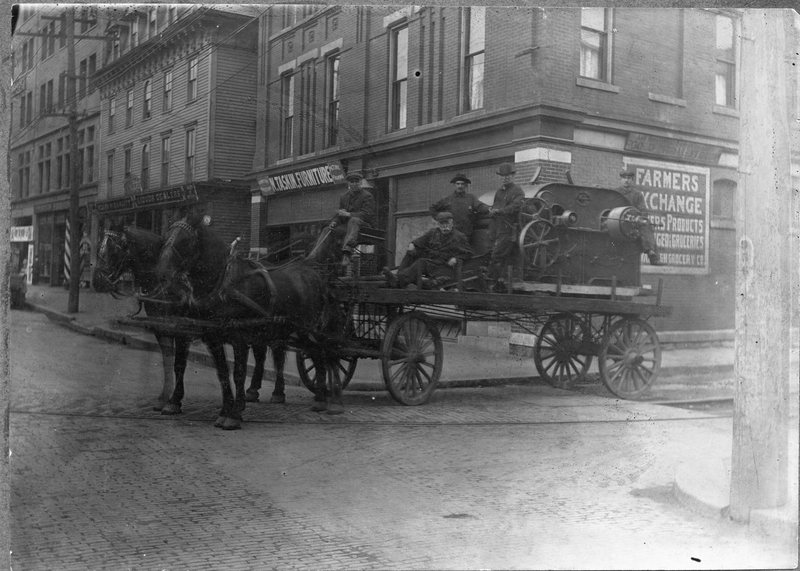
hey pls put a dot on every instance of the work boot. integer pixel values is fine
(655, 259)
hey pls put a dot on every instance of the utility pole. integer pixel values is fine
(761, 366)
(75, 168)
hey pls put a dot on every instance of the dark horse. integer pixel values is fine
(290, 303)
(136, 251)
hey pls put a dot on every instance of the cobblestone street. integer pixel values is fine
(522, 476)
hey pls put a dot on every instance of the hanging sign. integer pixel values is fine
(22, 233)
(183, 193)
(677, 197)
(331, 173)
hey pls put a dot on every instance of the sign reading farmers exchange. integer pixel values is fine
(678, 199)
(330, 173)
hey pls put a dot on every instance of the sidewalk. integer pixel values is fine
(702, 484)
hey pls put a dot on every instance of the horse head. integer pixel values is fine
(122, 251)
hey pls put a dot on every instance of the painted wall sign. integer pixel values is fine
(331, 173)
(680, 150)
(22, 233)
(678, 199)
(183, 193)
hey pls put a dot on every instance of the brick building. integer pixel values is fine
(411, 97)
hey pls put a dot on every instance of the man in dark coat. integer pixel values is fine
(356, 209)
(435, 254)
(635, 197)
(464, 207)
(505, 216)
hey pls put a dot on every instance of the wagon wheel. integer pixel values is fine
(308, 372)
(630, 358)
(558, 354)
(539, 245)
(411, 356)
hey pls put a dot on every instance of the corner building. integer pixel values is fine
(409, 97)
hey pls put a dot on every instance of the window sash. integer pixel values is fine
(474, 76)
(189, 163)
(165, 148)
(399, 101)
(333, 100)
(287, 126)
(168, 91)
(148, 92)
(192, 84)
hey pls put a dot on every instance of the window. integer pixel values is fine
(129, 109)
(89, 170)
(92, 69)
(287, 105)
(399, 95)
(595, 48)
(44, 168)
(145, 177)
(127, 166)
(24, 61)
(31, 53)
(81, 155)
(167, 91)
(189, 165)
(112, 113)
(22, 110)
(82, 79)
(172, 14)
(62, 34)
(307, 78)
(191, 92)
(165, 161)
(474, 45)
(332, 121)
(25, 174)
(110, 171)
(51, 37)
(152, 28)
(148, 93)
(725, 81)
(44, 43)
(62, 89)
(135, 31)
(59, 163)
(29, 108)
(49, 97)
(43, 99)
(723, 199)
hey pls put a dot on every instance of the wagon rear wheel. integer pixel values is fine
(411, 357)
(557, 353)
(308, 372)
(630, 358)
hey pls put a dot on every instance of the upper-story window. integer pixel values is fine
(110, 170)
(725, 80)
(51, 37)
(191, 91)
(332, 119)
(148, 96)
(127, 163)
(189, 159)
(62, 34)
(152, 23)
(165, 144)
(145, 178)
(474, 42)
(723, 199)
(129, 109)
(172, 14)
(82, 74)
(399, 93)
(89, 167)
(287, 105)
(307, 105)
(167, 91)
(596, 43)
(91, 71)
(62, 89)
(112, 113)
(44, 53)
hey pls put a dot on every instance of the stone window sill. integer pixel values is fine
(677, 101)
(596, 84)
(729, 111)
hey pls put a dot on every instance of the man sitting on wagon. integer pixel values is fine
(433, 255)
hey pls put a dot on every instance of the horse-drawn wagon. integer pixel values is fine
(575, 288)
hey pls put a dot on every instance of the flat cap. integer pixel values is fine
(629, 172)
(366, 184)
(460, 177)
(443, 216)
(353, 177)
(505, 169)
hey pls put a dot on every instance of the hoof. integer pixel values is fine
(171, 409)
(159, 406)
(220, 422)
(319, 406)
(251, 396)
(277, 399)
(335, 408)
(232, 424)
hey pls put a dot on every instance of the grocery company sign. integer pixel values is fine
(331, 173)
(678, 199)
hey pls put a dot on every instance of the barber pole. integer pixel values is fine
(67, 257)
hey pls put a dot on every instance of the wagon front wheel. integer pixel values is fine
(630, 358)
(558, 352)
(411, 358)
(308, 372)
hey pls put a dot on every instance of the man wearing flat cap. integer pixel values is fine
(434, 254)
(356, 209)
(464, 206)
(635, 197)
(505, 216)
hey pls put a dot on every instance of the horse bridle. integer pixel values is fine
(121, 241)
(170, 242)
